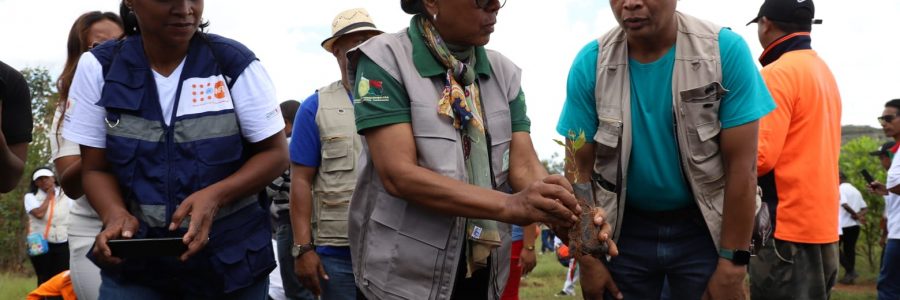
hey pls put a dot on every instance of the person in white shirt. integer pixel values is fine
(47, 209)
(889, 278)
(90, 29)
(179, 131)
(851, 214)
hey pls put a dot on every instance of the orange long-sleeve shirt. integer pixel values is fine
(800, 142)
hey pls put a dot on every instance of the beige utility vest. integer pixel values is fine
(336, 175)
(59, 224)
(402, 250)
(696, 97)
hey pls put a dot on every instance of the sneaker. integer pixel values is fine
(564, 294)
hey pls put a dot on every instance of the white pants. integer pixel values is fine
(571, 277)
(85, 275)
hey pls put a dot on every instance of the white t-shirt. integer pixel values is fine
(276, 286)
(892, 201)
(253, 98)
(852, 197)
(61, 147)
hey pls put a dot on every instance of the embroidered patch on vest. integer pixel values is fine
(200, 95)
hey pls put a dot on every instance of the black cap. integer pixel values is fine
(412, 7)
(884, 150)
(789, 11)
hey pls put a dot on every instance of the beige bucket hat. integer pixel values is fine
(349, 21)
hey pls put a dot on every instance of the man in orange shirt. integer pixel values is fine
(799, 145)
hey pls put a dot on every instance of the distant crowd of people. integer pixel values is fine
(177, 174)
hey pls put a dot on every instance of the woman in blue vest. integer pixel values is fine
(179, 130)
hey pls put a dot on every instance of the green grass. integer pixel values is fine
(15, 286)
(542, 284)
(547, 279)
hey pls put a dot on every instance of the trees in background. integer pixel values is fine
(13, 220)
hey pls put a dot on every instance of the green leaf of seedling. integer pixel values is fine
(561, 143)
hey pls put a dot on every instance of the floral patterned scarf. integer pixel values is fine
(461, 103)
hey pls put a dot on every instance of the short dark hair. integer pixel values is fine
(289, 110)
(790, 28)
(895, 103)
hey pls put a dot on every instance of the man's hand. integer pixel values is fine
(201, 207)
(604, 235)
(527, 260)
(308, 269)
(550, 201)
(595, 279)
(120, 225)
(877, 188)
(727, 282)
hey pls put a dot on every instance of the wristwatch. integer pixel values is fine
(738, 257)
(298, 250)
(529, 248)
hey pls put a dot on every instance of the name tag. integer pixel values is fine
(200, 95)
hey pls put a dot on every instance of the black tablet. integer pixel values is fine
(147, 247)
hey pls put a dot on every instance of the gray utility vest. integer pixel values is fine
(696, 97)
(402, 250)
(336, 177)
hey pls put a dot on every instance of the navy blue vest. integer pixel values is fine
(159, 165)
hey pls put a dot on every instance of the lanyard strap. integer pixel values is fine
(50, 217)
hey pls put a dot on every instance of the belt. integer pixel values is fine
(667, 216)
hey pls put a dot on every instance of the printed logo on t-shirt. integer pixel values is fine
(200, 95)
(371, 90)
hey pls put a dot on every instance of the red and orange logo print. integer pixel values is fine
(206, 92)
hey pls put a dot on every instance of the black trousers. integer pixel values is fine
(51, 263)
(848, 248)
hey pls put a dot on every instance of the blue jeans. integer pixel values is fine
(889, 279)
(115, 289)
(546, 241)
(284, 237)
(655, 249)
(340, 284)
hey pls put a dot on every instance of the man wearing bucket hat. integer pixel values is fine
(324, 149)
(801, 261)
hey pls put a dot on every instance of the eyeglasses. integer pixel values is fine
(887, 118)
(482, 4)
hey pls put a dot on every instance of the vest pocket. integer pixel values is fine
(121, 154)
(336, 154)
(700, 115)
(241, 248)
(404, 245)
(333, 209)
(606, 149)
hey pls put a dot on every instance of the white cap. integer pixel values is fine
(41, 173)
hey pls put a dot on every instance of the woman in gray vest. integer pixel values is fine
(447, 162)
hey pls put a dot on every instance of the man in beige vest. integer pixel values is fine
(669, 104)
(324, 149)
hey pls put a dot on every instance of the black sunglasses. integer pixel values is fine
(482, 4)
(887, 118)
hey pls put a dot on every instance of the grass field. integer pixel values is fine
(542, 284)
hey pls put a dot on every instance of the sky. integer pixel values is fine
(858, 40)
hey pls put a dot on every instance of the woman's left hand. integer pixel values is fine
(201, 207)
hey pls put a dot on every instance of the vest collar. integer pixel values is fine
(785, 44)
(428, 66)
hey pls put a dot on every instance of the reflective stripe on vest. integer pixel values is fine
(159, 166)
